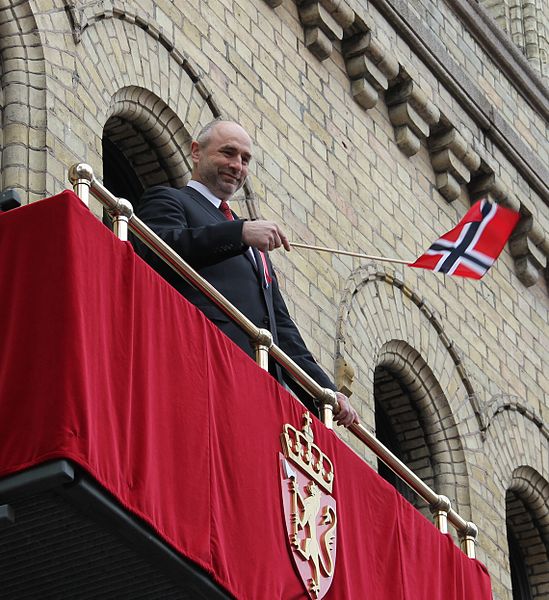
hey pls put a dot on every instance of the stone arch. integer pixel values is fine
(22, 80)
(155, 141)
(393, 338)
(527, 507)
(151, 92)
(422, 420)
(396, 311)
(150, 136)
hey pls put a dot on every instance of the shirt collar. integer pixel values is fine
(200, 187)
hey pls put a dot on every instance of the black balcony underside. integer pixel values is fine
(64, 537)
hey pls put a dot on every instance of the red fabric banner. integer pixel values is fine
(103, 363)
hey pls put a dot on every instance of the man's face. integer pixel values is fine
(221, 164)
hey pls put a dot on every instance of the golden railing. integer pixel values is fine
(84, 182)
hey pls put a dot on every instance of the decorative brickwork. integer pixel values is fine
(369, 66)
(423, 421)
(373, 277)
(515, 442)
(453, 160)
(324, 22)
(526, 23)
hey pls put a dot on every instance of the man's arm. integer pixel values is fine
(163, 210)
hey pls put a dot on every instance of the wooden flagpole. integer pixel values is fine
(347, 253)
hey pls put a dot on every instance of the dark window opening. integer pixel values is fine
(519, 571)
(387, 436)
(119, 176)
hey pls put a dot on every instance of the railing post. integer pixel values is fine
(262, 344)
(468, 538)
(121, 214)
(327, 403)
(440, 510)
(81, 177)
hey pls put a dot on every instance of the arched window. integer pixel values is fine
(413, 419)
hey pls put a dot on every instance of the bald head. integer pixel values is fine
(204, 135)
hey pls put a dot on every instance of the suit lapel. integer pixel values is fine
(248, 255)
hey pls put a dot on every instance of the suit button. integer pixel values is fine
(266, 321)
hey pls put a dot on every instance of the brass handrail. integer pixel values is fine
(83, 180)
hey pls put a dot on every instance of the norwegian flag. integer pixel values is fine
(473, 246)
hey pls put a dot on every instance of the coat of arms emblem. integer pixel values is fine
(307, 476)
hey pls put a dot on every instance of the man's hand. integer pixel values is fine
(346, 415)
(264, 235)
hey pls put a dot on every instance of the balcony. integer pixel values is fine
(143, 455)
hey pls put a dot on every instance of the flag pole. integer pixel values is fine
(347, 253)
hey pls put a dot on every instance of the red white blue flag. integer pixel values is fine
(473, 246)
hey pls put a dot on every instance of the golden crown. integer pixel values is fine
(299, 447)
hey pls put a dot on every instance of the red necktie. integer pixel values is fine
(224, 208)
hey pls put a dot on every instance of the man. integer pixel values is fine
(228, 252)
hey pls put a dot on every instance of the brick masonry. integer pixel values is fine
(376, 123)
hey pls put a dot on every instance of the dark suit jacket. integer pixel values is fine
(212, 245)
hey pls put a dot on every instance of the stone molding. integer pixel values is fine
(453, 160)
(508, 403)
(529, 244)
(136, 112)
(430, 50)
(526, 513)
(412, 115)
(84, 15)
(501, 48)
(369, 66)
(324, 22)
(425, 423)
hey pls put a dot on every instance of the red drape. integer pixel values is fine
(103, 363)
